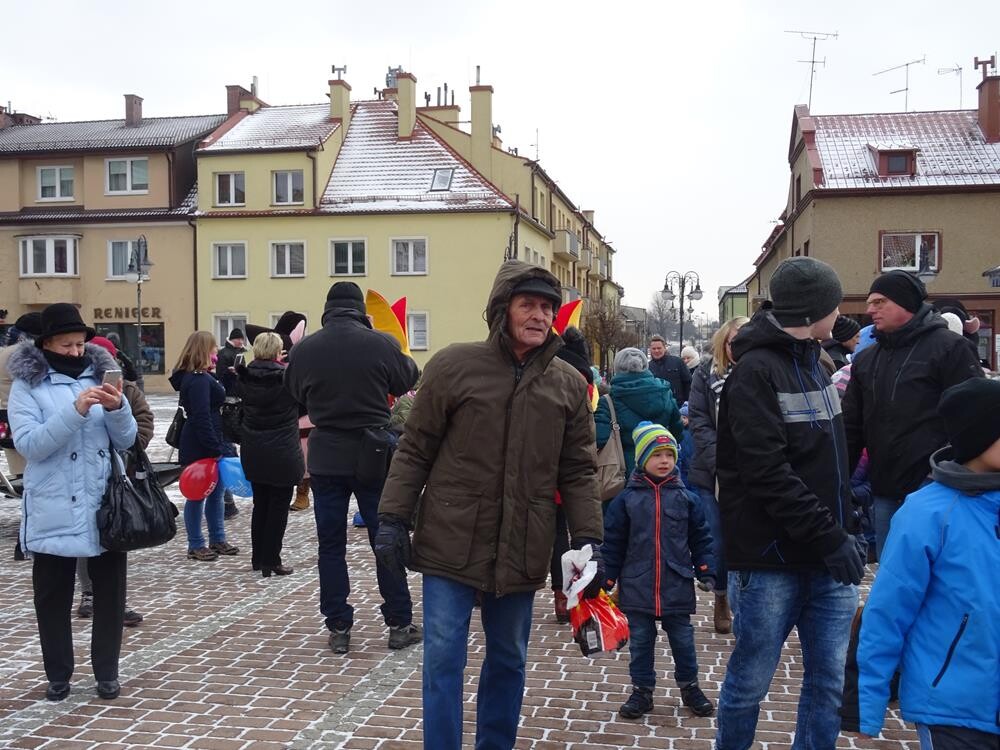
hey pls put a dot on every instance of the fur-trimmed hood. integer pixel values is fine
(28, 363)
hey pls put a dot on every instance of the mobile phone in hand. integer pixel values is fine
(112, 377)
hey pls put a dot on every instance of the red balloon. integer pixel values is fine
(199, 479)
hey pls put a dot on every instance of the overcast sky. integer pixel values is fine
(670, 122)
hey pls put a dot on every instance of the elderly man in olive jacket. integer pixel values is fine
(497, 429)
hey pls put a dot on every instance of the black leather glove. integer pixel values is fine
(845, 563)
(392, 545)
(707, 583)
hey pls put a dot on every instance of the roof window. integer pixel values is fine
(442, 179)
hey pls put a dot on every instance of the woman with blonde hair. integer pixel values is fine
(201, 397)
(703, 417)
(271, 454)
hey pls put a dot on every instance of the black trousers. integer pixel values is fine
(53, 578)
(561, 545)
(268, 522)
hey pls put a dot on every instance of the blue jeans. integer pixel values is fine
(710, 505)
(331, 496)
(642, 640)
(883, 509)
(507, 624)
(767, 605)
(212, 509)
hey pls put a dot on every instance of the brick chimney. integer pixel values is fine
(133, 110)
(5, 120)
(340, 101)
(482, 129)
(989, 108)
(406, 85)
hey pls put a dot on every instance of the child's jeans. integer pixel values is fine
(642, 641)
(955, 738)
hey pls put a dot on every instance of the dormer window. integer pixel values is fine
(894, 159)
(898, 163)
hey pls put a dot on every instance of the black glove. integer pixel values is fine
(392, 545)
(845, 563)
(707, 583)
(600, 578)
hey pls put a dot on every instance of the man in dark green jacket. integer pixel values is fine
(496, 430)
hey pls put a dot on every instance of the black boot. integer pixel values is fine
(693, 698)
(639, 703)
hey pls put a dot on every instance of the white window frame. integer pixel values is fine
(916, 250)
(273, 259)
(112, 276)
(441, 180)
(239, 318)
(393, 271)
(350, 256)
(427, 330)
(129, 160)
(217, 194)
(289, 186)
(58, 197)
(217, 246)
(25, 265)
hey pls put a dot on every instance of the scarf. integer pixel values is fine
(717, 385)
(71, 367)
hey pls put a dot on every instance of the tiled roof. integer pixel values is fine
(152, 132)
(950, 146)
(273, 128)
(377, 171)
(58, 215)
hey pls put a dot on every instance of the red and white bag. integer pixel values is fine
(598, 625)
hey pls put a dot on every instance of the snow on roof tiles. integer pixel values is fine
(950, 148)
(152, 132)
(51, 214)
(270, 128)
(377, 171)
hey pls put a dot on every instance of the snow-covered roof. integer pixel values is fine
(950, 149)
(151, 132)
(377, 171)
(277, 128)
(63, 214)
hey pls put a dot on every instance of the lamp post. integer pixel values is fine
(138, 272)
(681, 282)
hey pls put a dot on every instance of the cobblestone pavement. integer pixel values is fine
(226, 660)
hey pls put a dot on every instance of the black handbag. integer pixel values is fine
(173, 437)
(377, 446)
(135, 512)
(232, 420)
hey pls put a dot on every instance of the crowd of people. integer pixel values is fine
(759, 473)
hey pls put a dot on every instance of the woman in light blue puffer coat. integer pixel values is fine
(66, 424)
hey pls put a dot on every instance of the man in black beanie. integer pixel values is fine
(343, 375)
(890, 406)
(842, 342)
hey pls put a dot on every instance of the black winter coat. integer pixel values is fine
(656, 541)
(674, 371)
(343, 374)
(838, 352)
(202, 398)
(891, 402)
(227, 359)
(271, 452)
(784, 486)
(702, 420)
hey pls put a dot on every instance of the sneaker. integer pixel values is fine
(224, 548)
(204, 554)
(562, 613)
(693, 698)
(86, 608)
(405, 635)
(131, 619)
(231, 511)
(639, 703)
(340, 640)
(358, 521)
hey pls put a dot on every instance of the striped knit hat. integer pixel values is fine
(649, 438)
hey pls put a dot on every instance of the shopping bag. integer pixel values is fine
(598, 625)
(135, 512)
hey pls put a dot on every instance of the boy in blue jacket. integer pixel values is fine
(656, 542)
(934, 610)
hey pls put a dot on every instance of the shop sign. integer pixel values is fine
(126, 313)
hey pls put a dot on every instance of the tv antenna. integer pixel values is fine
(339, 71)
(957, 70)
(535, 144)
(816, 36)
(906, 89)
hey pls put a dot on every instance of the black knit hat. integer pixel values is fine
(845, 329)
(29, 323)
(346, 294)
(971, 414)
(236, 333)
(62, 317)
(804, 290)
(902, 287)
(576, 352)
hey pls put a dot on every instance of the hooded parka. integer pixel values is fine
(488, 443)
(271, 452)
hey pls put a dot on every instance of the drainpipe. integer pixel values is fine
(517, 221)
(311, 153)
(170, 179)
(194, 249)
(534, 213)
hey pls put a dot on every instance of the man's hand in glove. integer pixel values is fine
(600, 578)
(845, 563)
(707, 583)
(392, 545)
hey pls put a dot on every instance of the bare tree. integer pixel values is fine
(661, 318)
(604, 325)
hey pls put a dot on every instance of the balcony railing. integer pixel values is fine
(566, 246)
(586, 258)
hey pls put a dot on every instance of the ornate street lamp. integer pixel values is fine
(137, 273)
(675, 285)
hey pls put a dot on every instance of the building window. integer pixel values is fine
(229, 260)
(226, 322)
(288, 259)
(348, 258)
(50, 256)
(55, 183)
(805, 248)
(151, 356)
(409, 257)
(119, 257)
(230, 189)
(910, 251)
(898, 163)
(288, 187)
(798, 189)
(127, 175)
(417, 331)
(442, 179)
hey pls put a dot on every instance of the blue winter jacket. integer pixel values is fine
(934, 609)
(202, 397)
(69, 456)
(656, 541)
